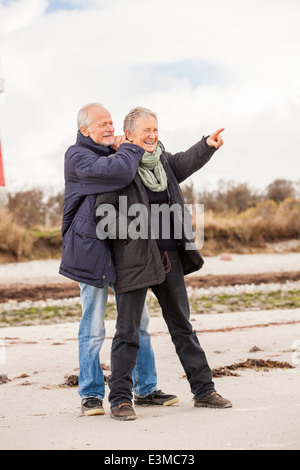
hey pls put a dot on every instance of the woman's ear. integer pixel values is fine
(128, 136)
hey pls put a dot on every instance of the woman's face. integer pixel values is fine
(145, 133)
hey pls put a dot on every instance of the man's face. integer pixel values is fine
(145, 133)
(100, 127)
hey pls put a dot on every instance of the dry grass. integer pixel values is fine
(15, 240)
(247, 232)
(252, 229)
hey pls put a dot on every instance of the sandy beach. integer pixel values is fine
(36, 412)
(41, 272)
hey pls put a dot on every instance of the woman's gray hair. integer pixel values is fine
(83, 115)
(133, 115)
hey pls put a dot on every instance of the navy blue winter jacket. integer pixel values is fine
(91, 169)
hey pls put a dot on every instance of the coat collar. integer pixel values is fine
(88, 142)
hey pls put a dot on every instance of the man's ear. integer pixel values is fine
(128, 136)
(84, 131)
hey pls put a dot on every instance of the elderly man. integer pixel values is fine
(94, 165)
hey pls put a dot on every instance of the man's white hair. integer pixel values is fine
(83, 114)
(131, 119)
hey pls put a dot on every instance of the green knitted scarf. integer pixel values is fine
(156, 180)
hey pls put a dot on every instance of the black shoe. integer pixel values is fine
(213, 400)
(157, 398)
(123, 412)
(92, 406)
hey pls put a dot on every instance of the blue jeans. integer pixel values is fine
(91, 337)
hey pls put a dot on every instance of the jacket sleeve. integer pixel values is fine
(110, 173)
(184, 164)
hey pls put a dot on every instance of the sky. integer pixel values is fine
(198, 65)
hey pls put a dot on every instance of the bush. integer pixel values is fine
(34, 208)
(229, 197)
(266, 222)
(280, 190)
(15, 240)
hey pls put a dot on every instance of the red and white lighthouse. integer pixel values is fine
(2, 180)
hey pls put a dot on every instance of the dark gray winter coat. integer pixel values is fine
(138, 261)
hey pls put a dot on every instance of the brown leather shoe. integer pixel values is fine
(123, 412)
(213, 400)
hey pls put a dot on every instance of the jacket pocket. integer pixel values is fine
(83, 251)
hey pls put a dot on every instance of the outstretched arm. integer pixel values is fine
(184, 164)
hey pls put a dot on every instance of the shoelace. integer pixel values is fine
(93, 401)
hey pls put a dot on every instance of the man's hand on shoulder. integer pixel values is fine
(215, 139)
(119, 140)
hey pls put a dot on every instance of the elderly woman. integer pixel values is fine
(158, 262)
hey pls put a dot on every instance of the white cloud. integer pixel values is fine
(16, 15)
(121, 53)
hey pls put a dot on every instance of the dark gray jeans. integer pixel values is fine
(173, 299)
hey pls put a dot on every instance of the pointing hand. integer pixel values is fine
(215, 139)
